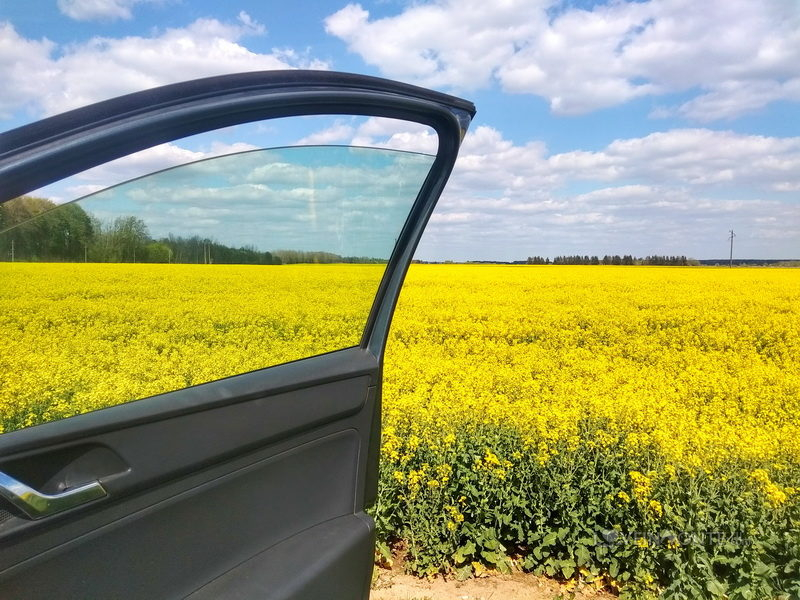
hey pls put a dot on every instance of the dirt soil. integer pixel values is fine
(394, 585)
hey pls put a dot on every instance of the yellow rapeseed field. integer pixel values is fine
(703, 363)
(79, 337)
(635, 427)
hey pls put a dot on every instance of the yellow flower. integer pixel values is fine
(656, 508)
(774, 494)
(642, 485)
(673, 543)
(491, 458)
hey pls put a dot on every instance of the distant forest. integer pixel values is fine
(616, 259)
(31, 230)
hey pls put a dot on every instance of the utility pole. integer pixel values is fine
(12, 250)
(730, 237)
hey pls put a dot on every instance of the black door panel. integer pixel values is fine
(337, 544)
(198, 534)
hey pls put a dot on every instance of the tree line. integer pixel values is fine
(616, 259)
(37, 230)
(288, 257)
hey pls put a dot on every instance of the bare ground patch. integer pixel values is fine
(395, 585)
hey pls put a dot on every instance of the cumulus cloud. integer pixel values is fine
(426, 42)
(19, 58)
(67, 76)
(107, 10)
(690, 156)
(337, 133)
(736, 56)
(379, 132)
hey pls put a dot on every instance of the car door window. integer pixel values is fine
(194, 273)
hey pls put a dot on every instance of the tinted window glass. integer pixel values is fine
(194, 273)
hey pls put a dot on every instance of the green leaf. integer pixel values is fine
(582, 556)
(464, 572)
(613, 568)
(464, 552)
(549, 539)
(715, 587)
(761, 568)
(503, 566)
(384, 551)
(490, 543)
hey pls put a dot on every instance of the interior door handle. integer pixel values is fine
(37, 505)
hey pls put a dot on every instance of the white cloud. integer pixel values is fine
(204, 48)
(377, 132)
(448, 43)
(736, 55)
(141, 163)
(729, 99)
(79, 191)
(337, 133)
(218, 148)
(690, 156)
(107, 10)
(24, 66)
(396, 135)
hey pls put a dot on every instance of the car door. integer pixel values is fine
(249, 484)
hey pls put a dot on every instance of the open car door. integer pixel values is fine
(191, 474)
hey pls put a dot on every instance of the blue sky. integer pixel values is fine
(623, 127)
